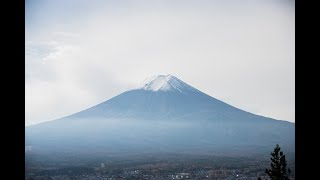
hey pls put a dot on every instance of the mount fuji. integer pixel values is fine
(162, 115)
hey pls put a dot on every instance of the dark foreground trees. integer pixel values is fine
(278, 169)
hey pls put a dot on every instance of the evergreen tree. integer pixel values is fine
(278, 169)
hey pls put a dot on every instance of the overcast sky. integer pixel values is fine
(80, 53)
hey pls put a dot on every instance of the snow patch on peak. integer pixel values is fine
(156, 83)
(165, 83)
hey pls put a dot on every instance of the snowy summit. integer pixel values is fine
(165, 83)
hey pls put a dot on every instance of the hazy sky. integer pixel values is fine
(80, 53)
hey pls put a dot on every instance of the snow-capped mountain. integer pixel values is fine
(163, 114)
